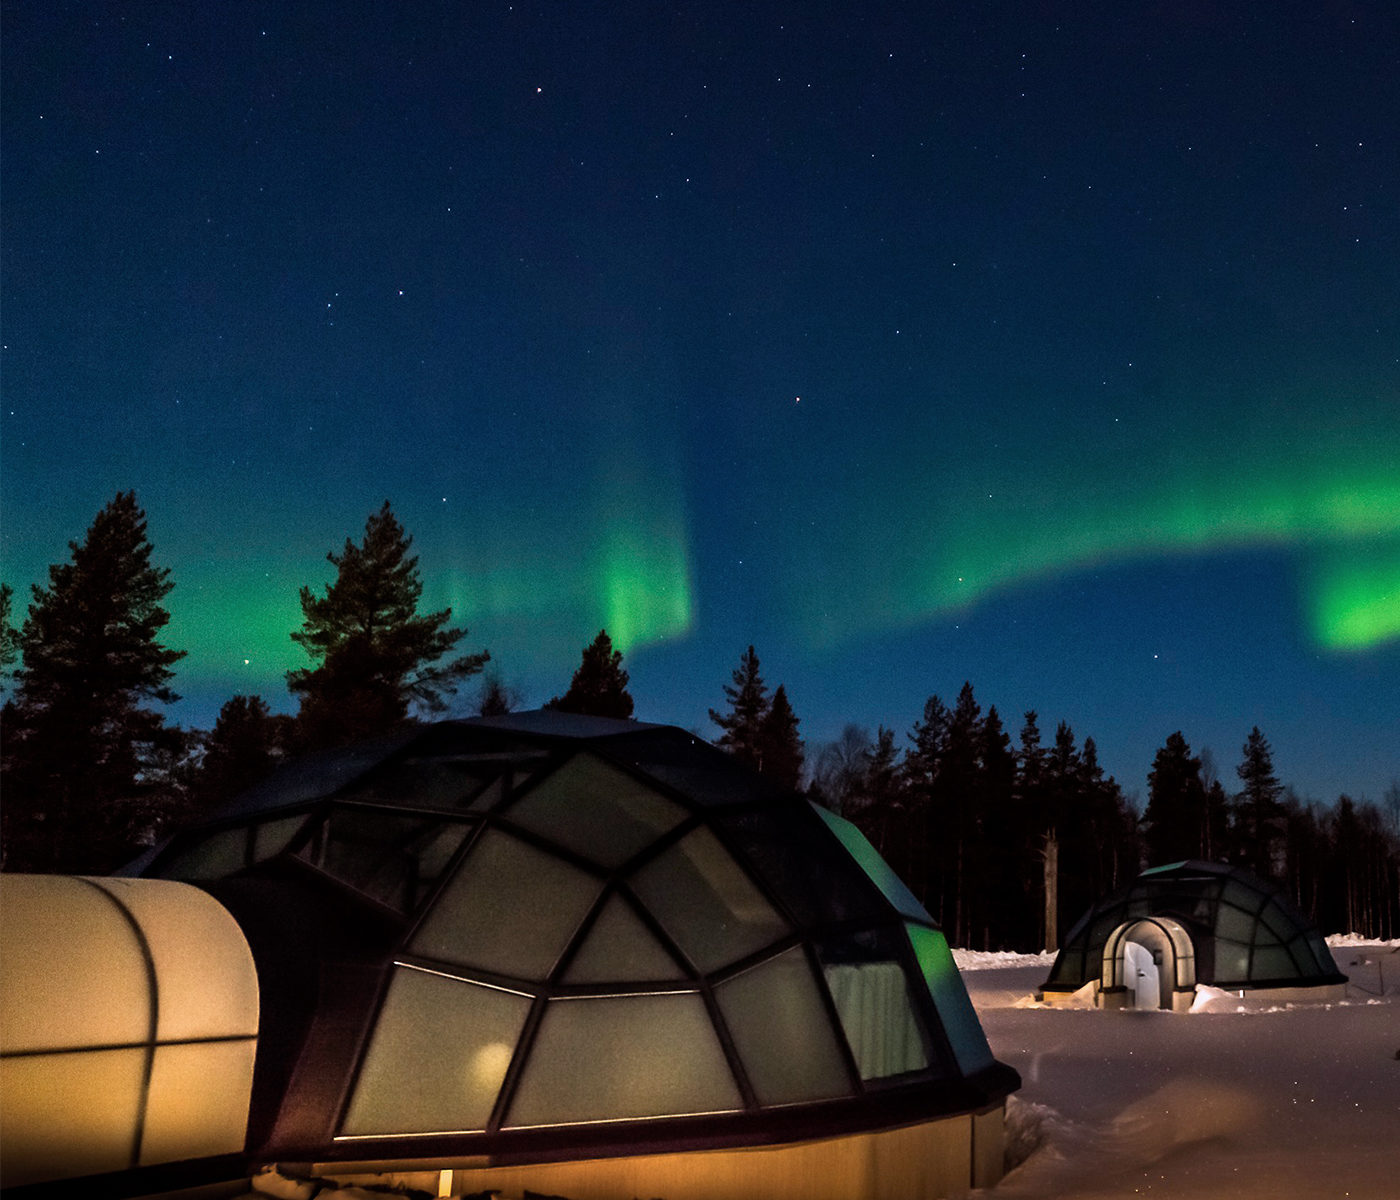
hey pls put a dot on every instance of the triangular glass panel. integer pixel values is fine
(620, 949)
(706, 902)
(509, 908)
(597, 810)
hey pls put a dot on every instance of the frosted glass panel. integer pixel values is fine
(706, 903)
(272, 838)
(426, 784)
(1231, 962)
(492, 794)
(69, 1114)
(392, 858)
(950, 998)
(437, 1058)
(205, 977)
(218, 855)
(198, 1101)
(509, 908)
(623, 1056)
(803, 865)
(52, 999)
(782, 1031)
(619, 948)
(1234, 924)
(597, 811)
(1272, 962)
(880, 872)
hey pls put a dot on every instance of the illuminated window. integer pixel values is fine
(624, 1057)
(782, 1032)
(492, 915)
(706, 903)
(440, 1050)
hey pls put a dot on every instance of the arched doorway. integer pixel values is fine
(1149, 963)
(1141, 976)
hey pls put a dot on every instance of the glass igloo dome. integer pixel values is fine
(1200, 923)
(550, 936)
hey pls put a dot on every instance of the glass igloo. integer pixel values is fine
(545, 937)
(1187, 923)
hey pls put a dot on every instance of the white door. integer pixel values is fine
(1140, 976)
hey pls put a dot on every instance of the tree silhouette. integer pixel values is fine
(376, 657)
(496, 698)
(599, 686)
(748, 706)
(780, 753)
(1259, 816)
(9, 635)
(244, 747)
(1177, 818)
(79, 740)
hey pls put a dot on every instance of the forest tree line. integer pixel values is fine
(1005, 840)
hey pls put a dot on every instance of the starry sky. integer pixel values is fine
(1052, 347)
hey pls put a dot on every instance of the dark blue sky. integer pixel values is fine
(1054, 347)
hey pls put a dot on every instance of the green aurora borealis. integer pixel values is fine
(1053, 348)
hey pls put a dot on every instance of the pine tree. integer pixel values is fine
(780, 753)
(9, 635)
(78, 735)
(244, 747)
(1003, 908)
(1043, 849)
(1177, 819)
(917, 848)
(955, 792)
(599, 686)
(1259, 814)
(1061, 792)
(375, 656)
(748, 706)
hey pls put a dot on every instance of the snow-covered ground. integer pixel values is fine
(1252, 1103)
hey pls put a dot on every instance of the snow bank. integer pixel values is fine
(1335, 940)
(984, 960)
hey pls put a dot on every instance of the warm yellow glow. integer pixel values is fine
(59, 935)
(488, 1066)
(68, 1114)
(102, 980)
(926, 1161)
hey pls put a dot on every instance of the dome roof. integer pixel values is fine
(543, 934)
(1244, 931)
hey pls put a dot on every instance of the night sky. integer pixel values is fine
(1051, 346)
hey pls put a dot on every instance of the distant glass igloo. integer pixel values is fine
(1191, 922)
(575, 955)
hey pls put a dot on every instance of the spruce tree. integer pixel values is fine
(599, 686)
(1177, 818)
(748, 706)
(780, 753)
(244, 747)
(9, 635)
(80, 742)
(1005, 915)
(920, 843)
(1259, 814)
(881, 791)
(375, 657)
